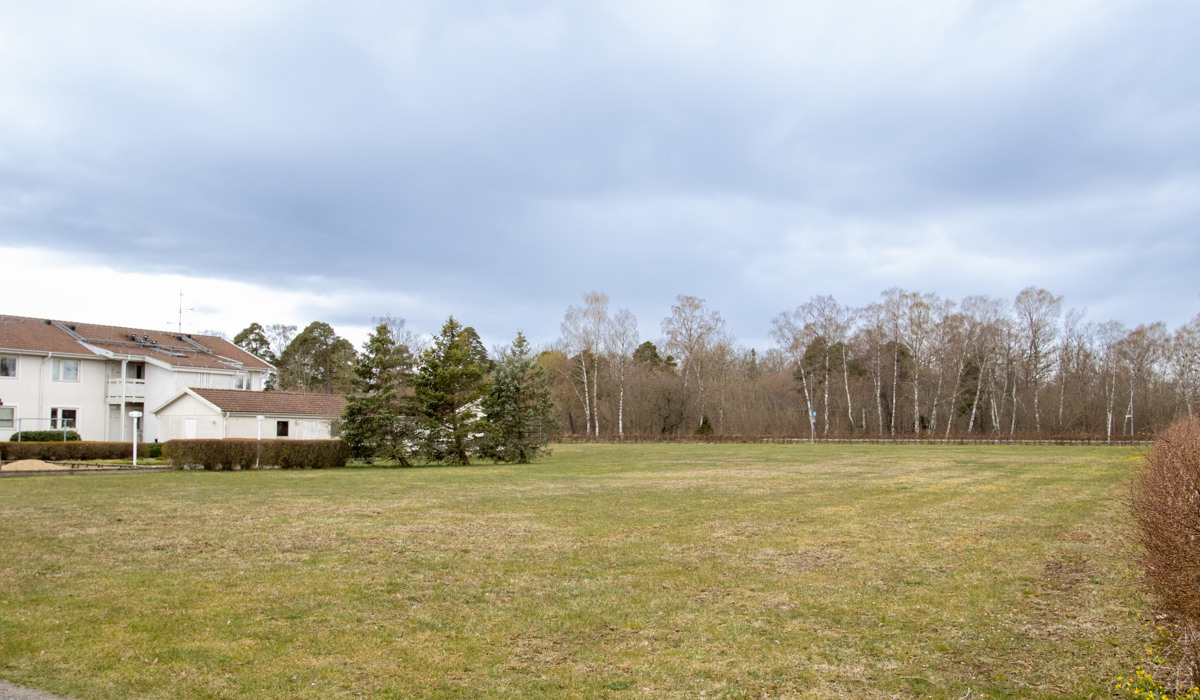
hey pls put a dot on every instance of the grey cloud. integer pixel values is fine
(505, 160)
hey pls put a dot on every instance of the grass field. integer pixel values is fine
(604, 571)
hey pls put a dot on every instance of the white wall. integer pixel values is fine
(32, 393)
(171, 421)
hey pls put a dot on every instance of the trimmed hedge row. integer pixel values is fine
(44, 436)
(77, 451)
(224, 455)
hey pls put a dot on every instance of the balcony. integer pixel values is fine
(132, 389)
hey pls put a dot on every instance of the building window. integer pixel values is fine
(63, 418)
(64, 370)
(241, 381)
(8, 366)
(281, 428)
(8, 416)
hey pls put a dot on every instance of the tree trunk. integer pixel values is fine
(916, 400)
(825, 418)
(587, 400)
(596, 395)
(846, 381)
(895, 382)
(812, 422)
(978, 391)
(937, 398)
(621, 403)
(878, 396)
(1037, 416)
(1012, 429)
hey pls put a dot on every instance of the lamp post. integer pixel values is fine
(135, 415)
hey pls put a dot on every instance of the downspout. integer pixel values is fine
(42, 386)
(124, 387)
(224, 424)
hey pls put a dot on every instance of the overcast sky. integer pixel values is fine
(297, 161)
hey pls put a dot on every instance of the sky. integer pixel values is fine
(289, 162)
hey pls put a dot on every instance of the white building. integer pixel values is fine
(227, 413)
(88, 377)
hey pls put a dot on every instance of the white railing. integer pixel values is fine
(133, 389)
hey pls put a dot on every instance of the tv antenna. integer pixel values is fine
(181, 310)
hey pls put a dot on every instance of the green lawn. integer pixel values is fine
(604, 571)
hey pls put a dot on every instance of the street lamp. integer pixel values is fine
(135, 415)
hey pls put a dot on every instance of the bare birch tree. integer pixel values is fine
(583, 333)
(1140, 351)
(793, 336)
(1185, 361)
(622, 341)
(691, 329)
(1037, 312)
(1109, 336)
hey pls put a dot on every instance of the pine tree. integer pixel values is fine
(318, 360)
(450, 381)
(253, 339)
(376, 422)
(519, 406)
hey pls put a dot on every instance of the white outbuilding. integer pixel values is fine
(197, 413)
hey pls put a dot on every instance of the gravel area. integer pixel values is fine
(8, 691)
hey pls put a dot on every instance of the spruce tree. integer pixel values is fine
(376, 422)
(451, 379)
(519, 406)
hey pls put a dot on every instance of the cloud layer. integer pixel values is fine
(496, 163)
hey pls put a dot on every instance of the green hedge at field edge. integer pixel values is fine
(77, 450)
(224, 455)
(44, 436)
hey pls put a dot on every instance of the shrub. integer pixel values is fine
(75, 450)
(44, 436)
(218, 455)
(215, 455)
(1165, 503)
(305, 454)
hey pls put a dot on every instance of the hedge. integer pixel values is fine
(77, 451)
(219, 455)
(44, 436)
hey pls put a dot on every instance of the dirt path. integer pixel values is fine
(8, 691)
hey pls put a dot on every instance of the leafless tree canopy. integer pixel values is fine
(910, 364)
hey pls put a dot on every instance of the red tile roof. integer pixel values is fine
(187, 350)
(274, 402)
(35, 335)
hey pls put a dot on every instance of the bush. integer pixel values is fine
(44, 436)
(218, 455)
(1165, 503)
(76, 451)
(305, 454)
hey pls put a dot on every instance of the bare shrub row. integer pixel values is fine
(76, 451)
(223, 455)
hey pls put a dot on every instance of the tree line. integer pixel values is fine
(910, 364)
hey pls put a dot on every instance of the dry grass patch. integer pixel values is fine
(605, 571)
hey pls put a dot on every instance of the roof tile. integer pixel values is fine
(179, 350)
(275, 402)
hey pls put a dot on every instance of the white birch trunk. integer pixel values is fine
(587, 401)
(846, 381)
